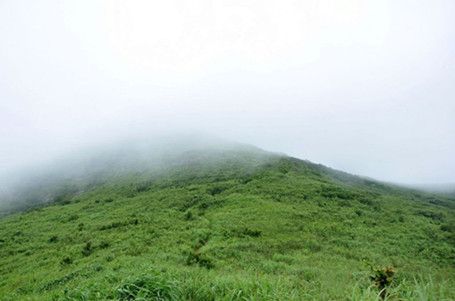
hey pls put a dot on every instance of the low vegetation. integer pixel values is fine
(275, 228)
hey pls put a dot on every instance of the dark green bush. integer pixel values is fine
(73, 217)
(80, 227)
(188, 216)
(252, 233)
(216, 190)
(144, 186)
(67, 260)
(366, 202)
(437, 216)
(53, 238)
(88, 248)
(114, 225)
(448, 227)
(104, 245)
(242, 232)
(194, 258)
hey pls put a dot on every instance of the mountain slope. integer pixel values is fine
(225, 223)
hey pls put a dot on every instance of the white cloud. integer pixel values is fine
(364, 86)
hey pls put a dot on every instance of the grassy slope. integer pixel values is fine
(230, 227)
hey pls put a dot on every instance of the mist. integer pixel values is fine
(366, 88)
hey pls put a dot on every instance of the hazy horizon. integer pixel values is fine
(366, 88)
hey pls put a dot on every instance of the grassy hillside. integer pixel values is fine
(236, 224)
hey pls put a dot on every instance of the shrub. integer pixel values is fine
(80, 227)
(109, 258)
(194, 258)
(188, 216)
(344, 203)
(88, 248)
(382, 277)
(104, 245)
(252, 233)
(437, 216)
(53, 238)
(205, 204)
(216, 190)
(448, 227)
(112, 226)
(313, 245)
(242, 232)
(67, 260)
(73, 217)
(144, 186)
(366, 202)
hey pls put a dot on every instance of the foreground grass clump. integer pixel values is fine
(274, 228)
(152, 285)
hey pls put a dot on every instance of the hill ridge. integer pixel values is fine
(226, 225)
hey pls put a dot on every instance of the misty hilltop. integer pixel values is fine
(85, 169)
(189, 156)
(214, 220)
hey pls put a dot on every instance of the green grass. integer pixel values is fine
(247, 226)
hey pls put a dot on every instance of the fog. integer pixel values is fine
(366, 87)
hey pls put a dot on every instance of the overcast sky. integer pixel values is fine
(367, 87)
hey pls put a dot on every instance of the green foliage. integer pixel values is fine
(448, 227)
(53, 238)
(144, 186)
(242, 228)
(382, 277)
(67, 260)
(150, 286)
(88, 248)
(188, 215)
(80, 227)
(199, 259)
(243, 232)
